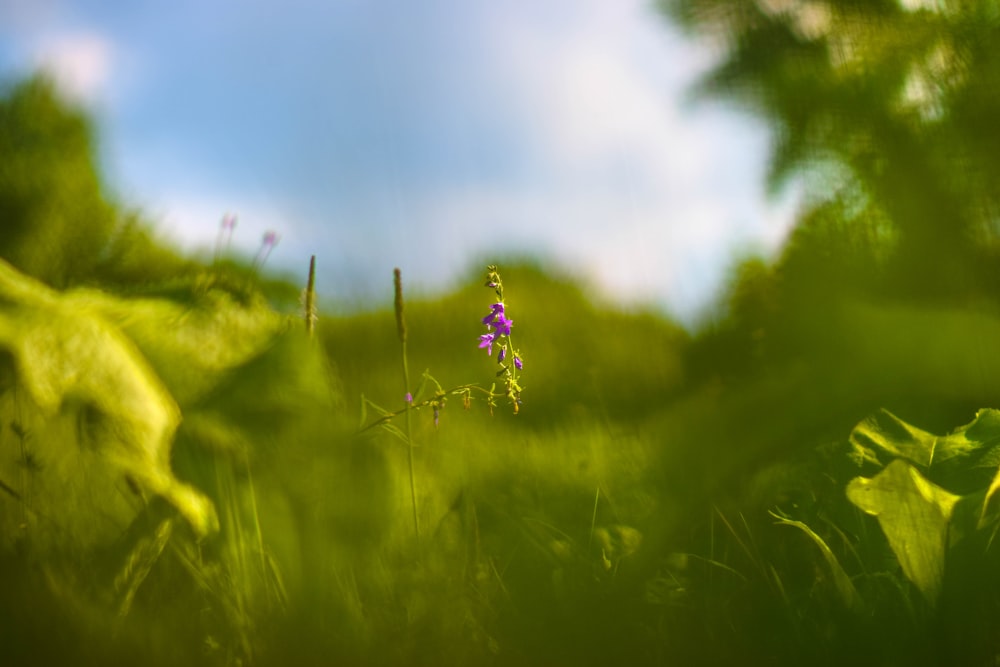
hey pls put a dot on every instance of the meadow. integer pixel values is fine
(204, 463)
(628, 512)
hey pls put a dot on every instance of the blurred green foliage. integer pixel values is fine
(884, 296)
(59, 223)
(887, 285)
(887, 105)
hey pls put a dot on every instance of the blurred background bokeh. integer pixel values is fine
(385, 134)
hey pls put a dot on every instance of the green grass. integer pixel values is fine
(627, 515)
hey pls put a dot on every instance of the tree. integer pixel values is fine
(890, 106)
(56, 221)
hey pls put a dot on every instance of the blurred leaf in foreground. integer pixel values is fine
(914, 515)
(92, 415)
(885, 433)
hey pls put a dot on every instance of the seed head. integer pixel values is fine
(397, 281)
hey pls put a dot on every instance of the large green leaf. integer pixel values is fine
(976, 445)
(914, 515)
(191, 340)
(90, 419)
(883, 436)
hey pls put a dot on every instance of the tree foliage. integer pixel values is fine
(56, 219)
(889, 106)
(59, 223)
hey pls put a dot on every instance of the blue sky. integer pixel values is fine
(425, 135)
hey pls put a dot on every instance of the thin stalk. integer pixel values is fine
(593, 518)
(256, 514)
(401, 330)
(310, 300)
(460, 389)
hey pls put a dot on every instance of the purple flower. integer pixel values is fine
(486, 340)
(502, 355)
(503, 325)
(266, 246)
(497, 320)
(225, 232)
(496, 310)
(517, 363)
(408, 397)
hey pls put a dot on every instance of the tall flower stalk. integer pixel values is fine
(401, 331)
(498, 332)
(225, 237)
(267, 244)
(309, 298)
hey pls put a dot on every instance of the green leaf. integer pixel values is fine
(394, 430)
(885, 434)
(914, 515)
(378, 408)
(77, 369)
(364, 412)
(990, 512)
(193, 341)
(985, 428)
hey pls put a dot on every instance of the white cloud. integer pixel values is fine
(652, 197)
(642, 252)
(80, 62)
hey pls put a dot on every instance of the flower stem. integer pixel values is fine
(310, 300)
(460, 389)
(401, 330)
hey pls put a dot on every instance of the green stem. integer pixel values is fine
(593, 518)
(310, 304)
(409, 440)
(388, 417)
(401, 330)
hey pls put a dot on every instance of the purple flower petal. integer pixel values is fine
(503, 325)
(518, 364)
(486, 340)
(496, 310)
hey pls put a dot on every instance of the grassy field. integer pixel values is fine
(629, 513)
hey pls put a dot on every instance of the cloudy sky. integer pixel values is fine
(426, 135)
